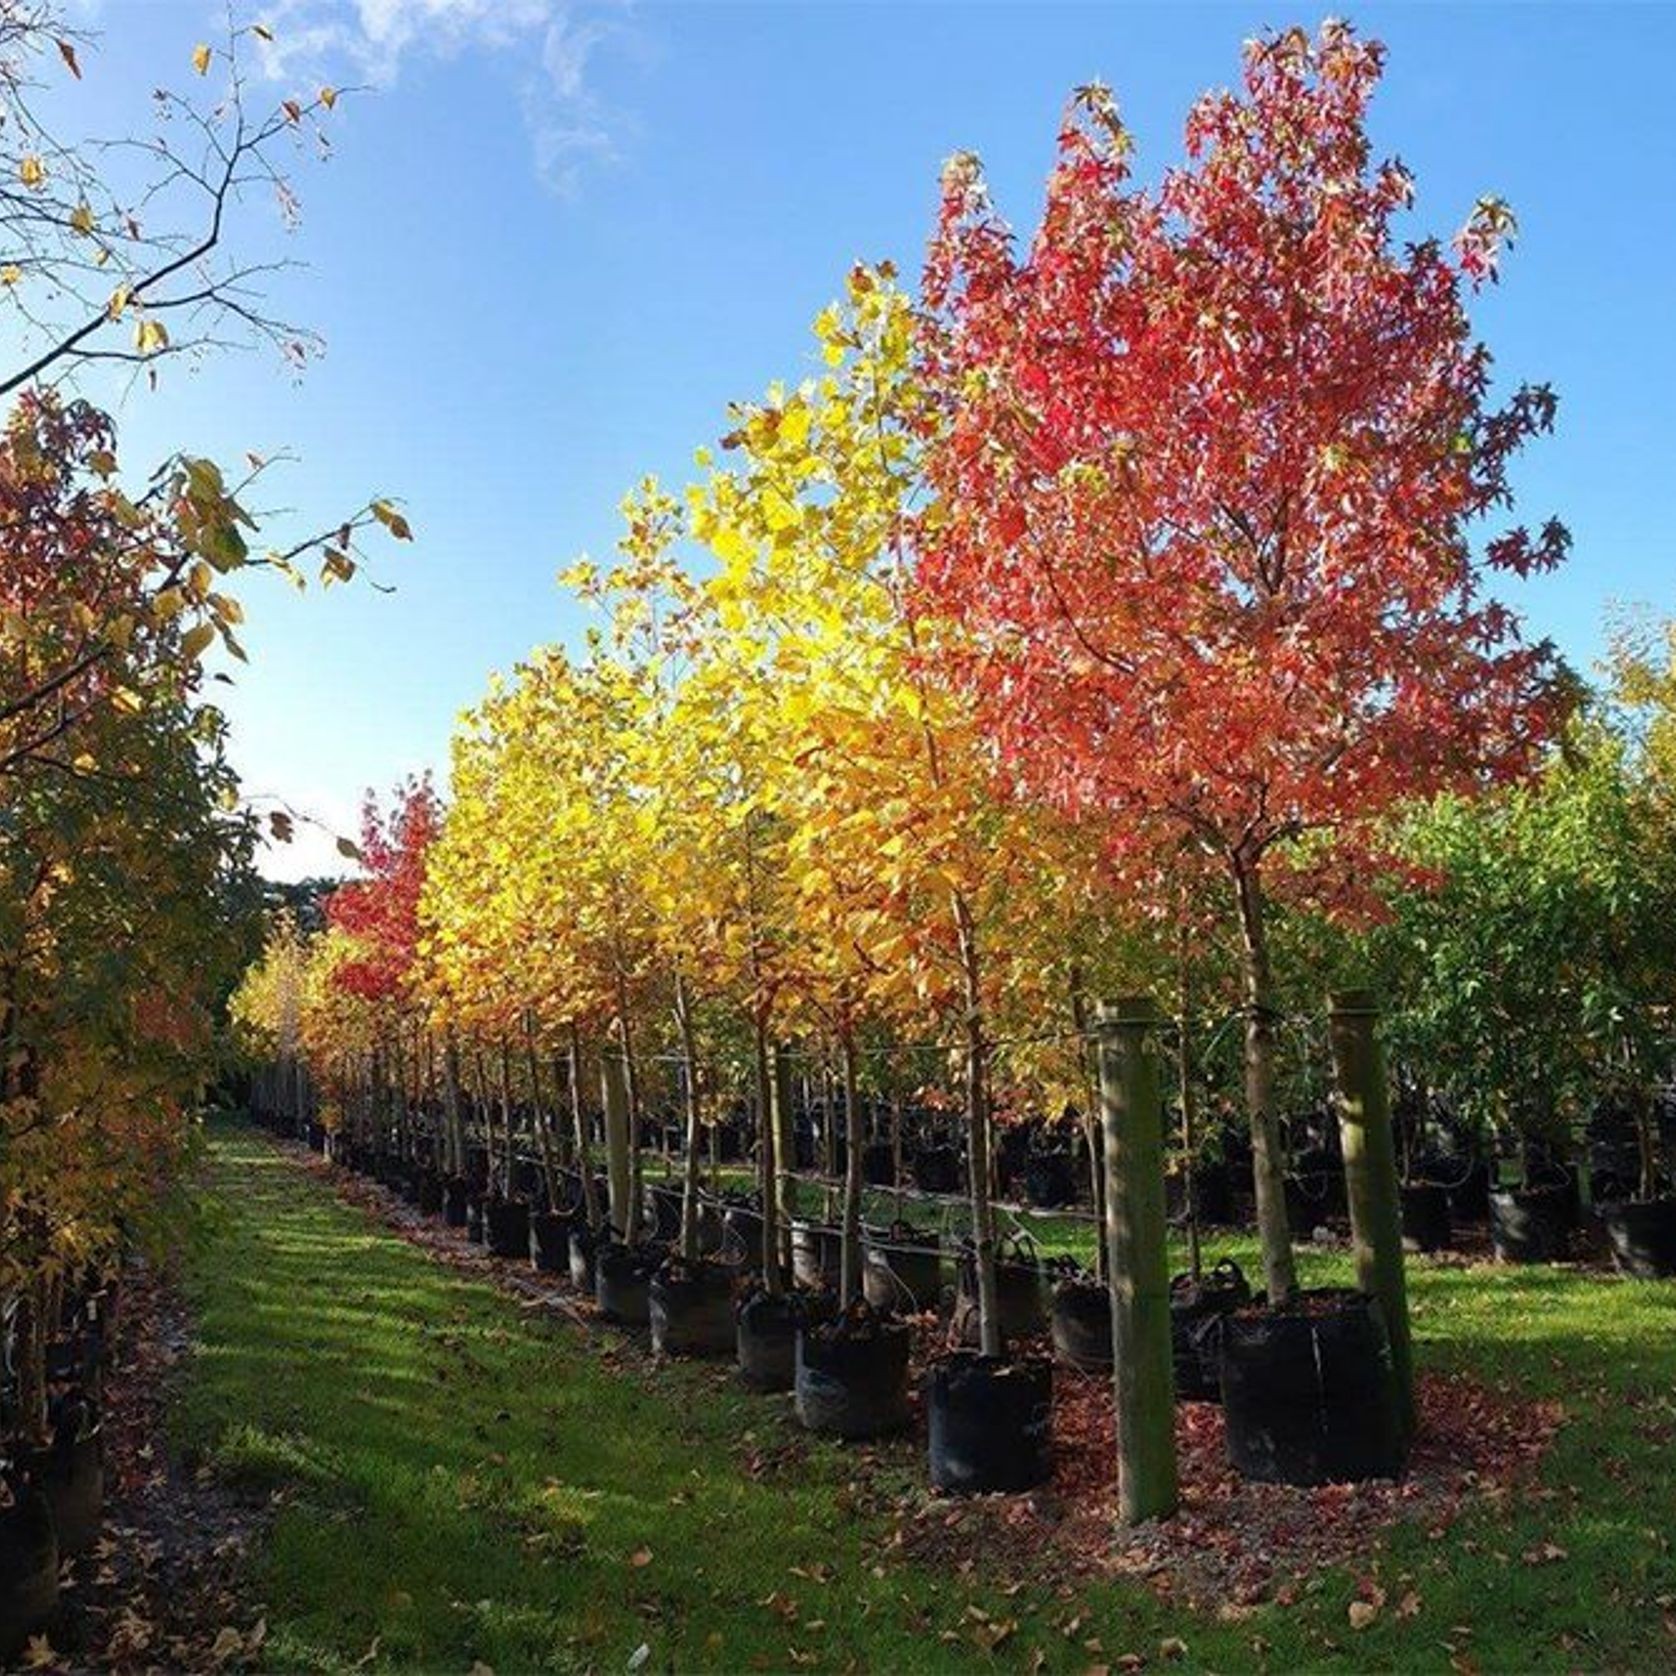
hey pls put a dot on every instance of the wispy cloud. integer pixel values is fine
(550, 47)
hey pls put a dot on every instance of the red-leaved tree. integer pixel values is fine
(381, 911)
(1212, 489)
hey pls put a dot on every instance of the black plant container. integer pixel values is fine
(1082, 1324)
(766, 1337)
(1426, 1223)
(902, 1268)
(691, 1308)
(28, 1562)
(1643, 1236)
(1309, 1393)
(1533, 1225)
(852, 1374)
(550, 1235)
(1197, 1309)
(623, 1282)
(989, 1422)
(507, 1229)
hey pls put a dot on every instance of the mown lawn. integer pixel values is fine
(467, 1482)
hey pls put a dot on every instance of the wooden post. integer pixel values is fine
(1132, 1118)
(619, 1171)
(1370, 1174)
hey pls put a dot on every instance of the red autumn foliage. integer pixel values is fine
(1218, 459)
(381, 911)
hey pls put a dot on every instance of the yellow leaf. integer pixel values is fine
(10, 274)
(201, 59)
(392, 520)
(150, 336)
(81, 218)
(195, 642)
(31, 171)
(328, 97)
(118, 303)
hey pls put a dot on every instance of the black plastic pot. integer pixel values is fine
(691, 1308)
(989, 1422)
(1469, 1192)
(1313, 1198)
(456, 1195)
(1196, 1308)
(1533, 1225)
(878, 1165)
(476, 1227)
(507, 1229)
(937, 1170)
(1082, 1324)
(72, 1473)
(407, 1183)
(852, 1374)
(766, 1337)
(430, 1193)
(901, 1268)
(1426, 1224)
(584, 1246)
(1021, 1288)
(1643, 1236)
(1049, 1180)
(28, 1564)
(623, 1281)
(742, 1233)
(817, 1253)
(1309, 1393)
(550, 1235)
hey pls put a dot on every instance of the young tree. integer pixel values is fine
(1215, 465)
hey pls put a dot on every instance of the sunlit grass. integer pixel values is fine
(466, 1481)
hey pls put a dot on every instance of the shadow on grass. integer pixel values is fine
(463, 1481)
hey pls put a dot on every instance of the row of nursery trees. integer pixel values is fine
(129, 899)
(1113, 615)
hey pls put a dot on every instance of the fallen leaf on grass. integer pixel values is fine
(640, 1557)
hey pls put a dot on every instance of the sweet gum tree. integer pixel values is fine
(1216, 465)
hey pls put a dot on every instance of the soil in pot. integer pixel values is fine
(817, 1254)
(28, 1561)
(1533, 1225)
(1082, 1323)
(852, 1374)
(766, 1337)
(1426, 1224)
(1196, 1311)
(691, 1308)
(623, 1281)
(989, 1422)
(550, 1235)
(902, 1268)
(1309, 1393)
(1643, 1236)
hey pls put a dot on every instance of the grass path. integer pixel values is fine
(465, 1482)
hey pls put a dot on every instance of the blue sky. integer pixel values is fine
(556, 238)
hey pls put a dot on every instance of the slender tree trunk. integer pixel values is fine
(896, 1151)
(619, 1165)
(543, 1118)
(1268, 1174)
(1189, 1101)
(1088, 1058)
(849, 1284)
(772, 1274)
(977, 1137)
(506, 1115)
(785, 1149)
(695, 1121)
(456, 1139)
(579, 1114)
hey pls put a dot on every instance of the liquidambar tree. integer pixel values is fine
(1215, 468)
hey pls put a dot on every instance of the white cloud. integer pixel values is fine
(550, 45)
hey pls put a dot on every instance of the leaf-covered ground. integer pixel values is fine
(458, 1475)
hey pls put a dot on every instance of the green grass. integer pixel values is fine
(464, 1481)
